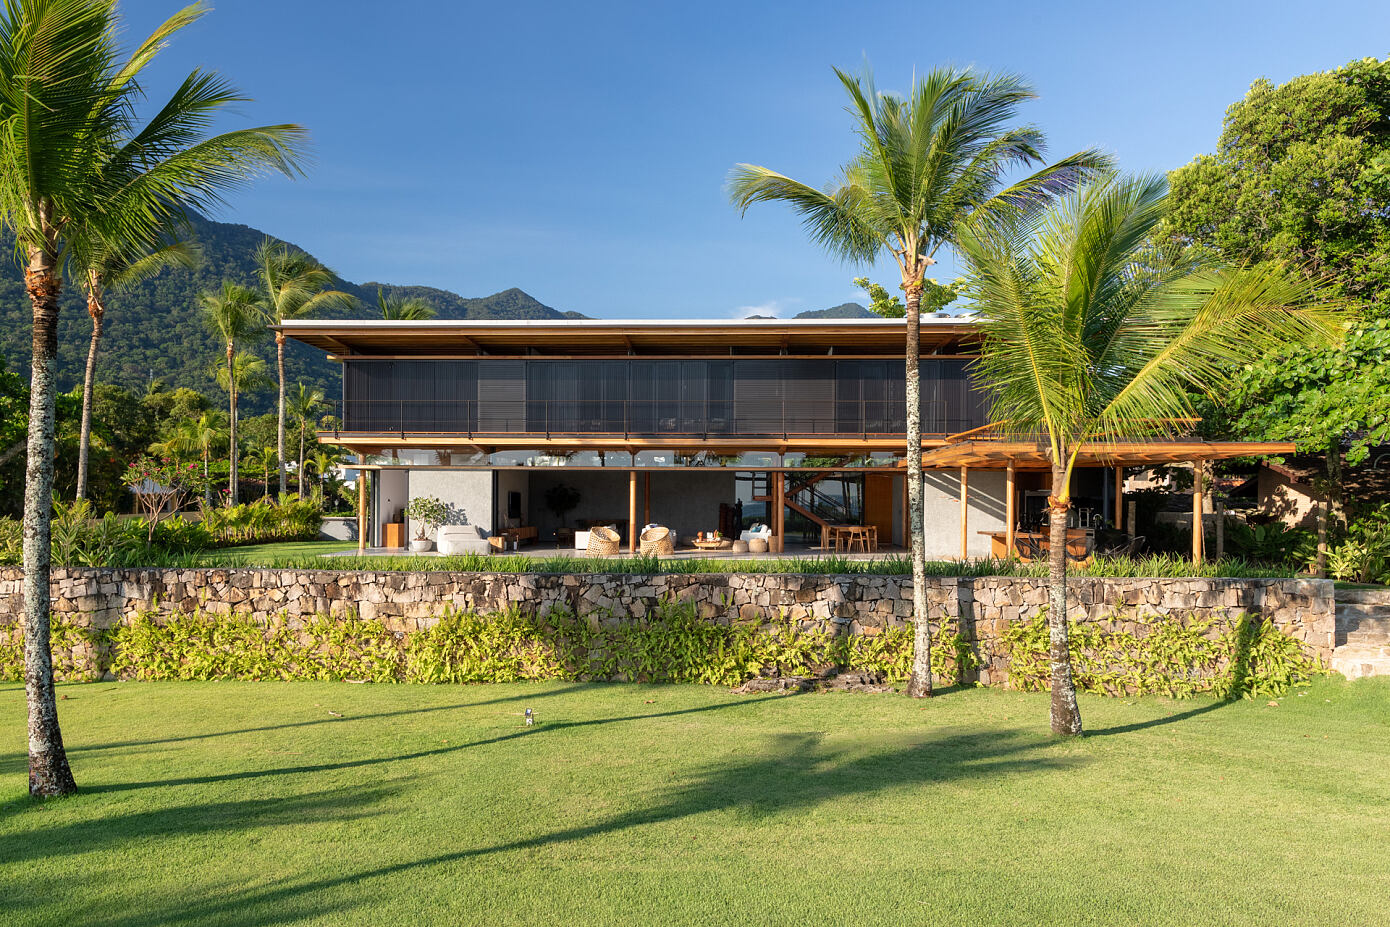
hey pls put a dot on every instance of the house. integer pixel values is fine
(697, 425)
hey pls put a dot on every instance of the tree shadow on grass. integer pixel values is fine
(798, 772)
(552, 727)
(13, 763)
(196, 818)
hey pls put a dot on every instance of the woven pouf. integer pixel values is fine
(740, 547)
(757, 546)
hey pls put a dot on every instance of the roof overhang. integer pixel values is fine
(437, 337)
(1029, 455)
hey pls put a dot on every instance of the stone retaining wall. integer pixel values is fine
(853, 604)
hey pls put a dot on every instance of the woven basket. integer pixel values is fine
(656, 542)
(604, 542)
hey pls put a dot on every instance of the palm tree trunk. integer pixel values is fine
(920, 683)
(207, 480)
(49, 773)
(98, 312)
(1066, 715)
(280, 417)
(231, 423)
(299, 474)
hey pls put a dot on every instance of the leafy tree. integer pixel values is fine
(1089, 336)
(928, 164)
(236, 314)
(70, 150)
(1301, 175)
(399, 307)
(935, 297)
(293, 285)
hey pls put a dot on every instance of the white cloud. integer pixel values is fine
(773, 307)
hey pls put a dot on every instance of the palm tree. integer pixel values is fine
(69, 151)
(263, 458)
(103, 270)
(403, 308)
(304, 404)
(236, 314)
(928, 165)
(1091, 335)
(293, 285)
(325, 460)
(197, 436)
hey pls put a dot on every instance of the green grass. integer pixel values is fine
(259, 554)
(319, 803)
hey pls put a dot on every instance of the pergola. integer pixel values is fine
(1011, 455)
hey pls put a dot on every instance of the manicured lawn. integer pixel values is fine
(264, 554)
(272, 803)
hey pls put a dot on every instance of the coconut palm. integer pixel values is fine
(928, 164)
(304, 404)
(70, 151)
(236, 314)
(293, 285)
(324, 460)
(105, 270)
(262, 458)
(1089, 335)
(403, 308)
(198, 436)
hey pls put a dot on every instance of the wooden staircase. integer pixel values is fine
(1362, 645)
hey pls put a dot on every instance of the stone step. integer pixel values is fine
(1365, 596)
(1356, 624)
(1355, 662)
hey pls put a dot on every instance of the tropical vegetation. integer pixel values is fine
(930, 164)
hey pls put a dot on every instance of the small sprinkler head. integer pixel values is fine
(530, 720)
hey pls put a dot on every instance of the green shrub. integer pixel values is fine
(1178, 658)
(263, 522)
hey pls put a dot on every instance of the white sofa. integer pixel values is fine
(462, 539)
(758, 533)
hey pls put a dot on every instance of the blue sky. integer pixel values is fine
(579, 150)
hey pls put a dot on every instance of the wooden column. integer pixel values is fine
(907, 518)
(1119, 498)
(647, 498)
(964, 512)
(1010, 509)
(361, 510)
(632, 529)
(1197, 502)
(779, 511)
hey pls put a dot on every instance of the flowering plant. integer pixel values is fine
(161, 487)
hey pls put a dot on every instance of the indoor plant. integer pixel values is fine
(428, 513)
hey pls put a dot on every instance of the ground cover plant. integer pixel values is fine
(326, 803)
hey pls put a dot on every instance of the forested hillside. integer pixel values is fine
(157, 331)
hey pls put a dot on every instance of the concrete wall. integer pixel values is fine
(513, 481)
(941, 509)
(688, 502)
(338, 529)
(602, 495)
(981, 607)
(466, 493)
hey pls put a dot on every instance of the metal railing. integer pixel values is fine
(771, 417)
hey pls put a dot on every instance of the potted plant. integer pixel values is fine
(428, 513)
(561, 499)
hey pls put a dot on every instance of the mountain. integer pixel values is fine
(156, 330)
(842, 311)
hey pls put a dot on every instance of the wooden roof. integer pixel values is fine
(568, 337)
(1029, 455)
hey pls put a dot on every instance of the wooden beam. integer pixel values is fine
(1119, 498)
(361, 511)
(964, 512)
(1197, 499)
(1010, 509)
(632, 529)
